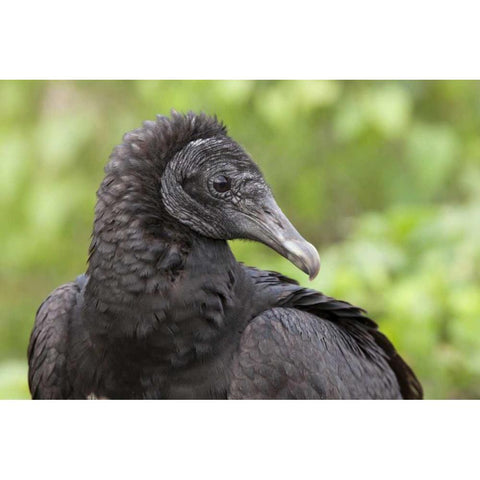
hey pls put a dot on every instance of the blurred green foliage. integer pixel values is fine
(382, 176)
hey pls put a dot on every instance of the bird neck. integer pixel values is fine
(127, 263)
(133, 270)
(169, 308)
(136, 246)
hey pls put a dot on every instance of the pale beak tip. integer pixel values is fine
(304, 255)
(315, 267)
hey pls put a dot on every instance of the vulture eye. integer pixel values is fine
(221, 184)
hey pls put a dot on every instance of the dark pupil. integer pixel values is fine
(221, 184)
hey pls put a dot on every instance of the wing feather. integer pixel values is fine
(47, 351)
(315, 334)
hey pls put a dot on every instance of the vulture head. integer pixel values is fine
(195, 174)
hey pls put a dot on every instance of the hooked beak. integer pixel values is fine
(274, 229)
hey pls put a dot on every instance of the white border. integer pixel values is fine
(260, 40)
(249, 439)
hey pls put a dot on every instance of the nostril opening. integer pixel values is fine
(276, 221)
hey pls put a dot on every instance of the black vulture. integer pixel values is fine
(164, 309)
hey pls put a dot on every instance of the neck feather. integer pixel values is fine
(136, 246)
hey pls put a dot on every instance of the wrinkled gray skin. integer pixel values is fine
(247, 210)
(165, 310)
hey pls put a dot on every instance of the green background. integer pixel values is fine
(382, 176)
